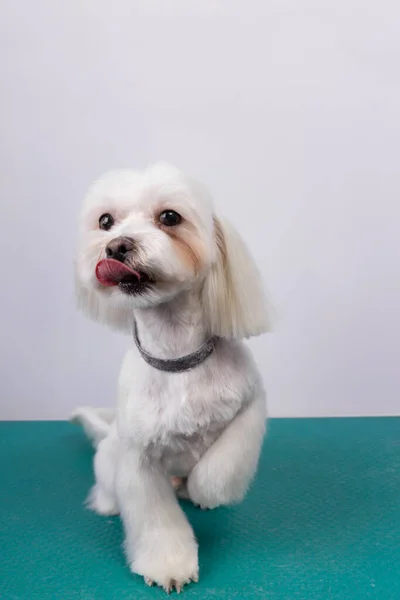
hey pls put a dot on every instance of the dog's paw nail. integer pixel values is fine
(148, 581)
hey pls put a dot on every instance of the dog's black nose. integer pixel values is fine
(119, 247)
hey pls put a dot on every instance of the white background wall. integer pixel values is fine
(288, 109)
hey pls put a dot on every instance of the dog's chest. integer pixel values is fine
(176, 411)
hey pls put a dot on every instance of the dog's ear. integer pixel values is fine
(233, 299)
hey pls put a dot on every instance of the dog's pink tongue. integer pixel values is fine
(111, 272)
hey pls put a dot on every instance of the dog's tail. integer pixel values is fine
(96, 422)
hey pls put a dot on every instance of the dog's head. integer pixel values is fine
(147, 237)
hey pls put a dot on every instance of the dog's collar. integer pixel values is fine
(176, 365)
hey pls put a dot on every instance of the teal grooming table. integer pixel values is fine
(321, 522)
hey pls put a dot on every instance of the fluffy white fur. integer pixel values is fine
(195, 434)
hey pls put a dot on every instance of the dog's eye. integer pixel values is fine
(170, 218)
(106, 221)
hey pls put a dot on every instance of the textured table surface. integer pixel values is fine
(321, 522)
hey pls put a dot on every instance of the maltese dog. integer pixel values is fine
(156, 262)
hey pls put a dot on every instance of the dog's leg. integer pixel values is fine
(102, 498)
(160, 544)
(224, 472)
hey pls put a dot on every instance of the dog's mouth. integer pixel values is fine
(111, 272)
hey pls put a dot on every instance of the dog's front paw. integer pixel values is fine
(168, 566)
(204, 496)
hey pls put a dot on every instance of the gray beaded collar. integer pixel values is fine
(176, 365)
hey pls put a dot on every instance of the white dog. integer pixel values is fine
(155, 261)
